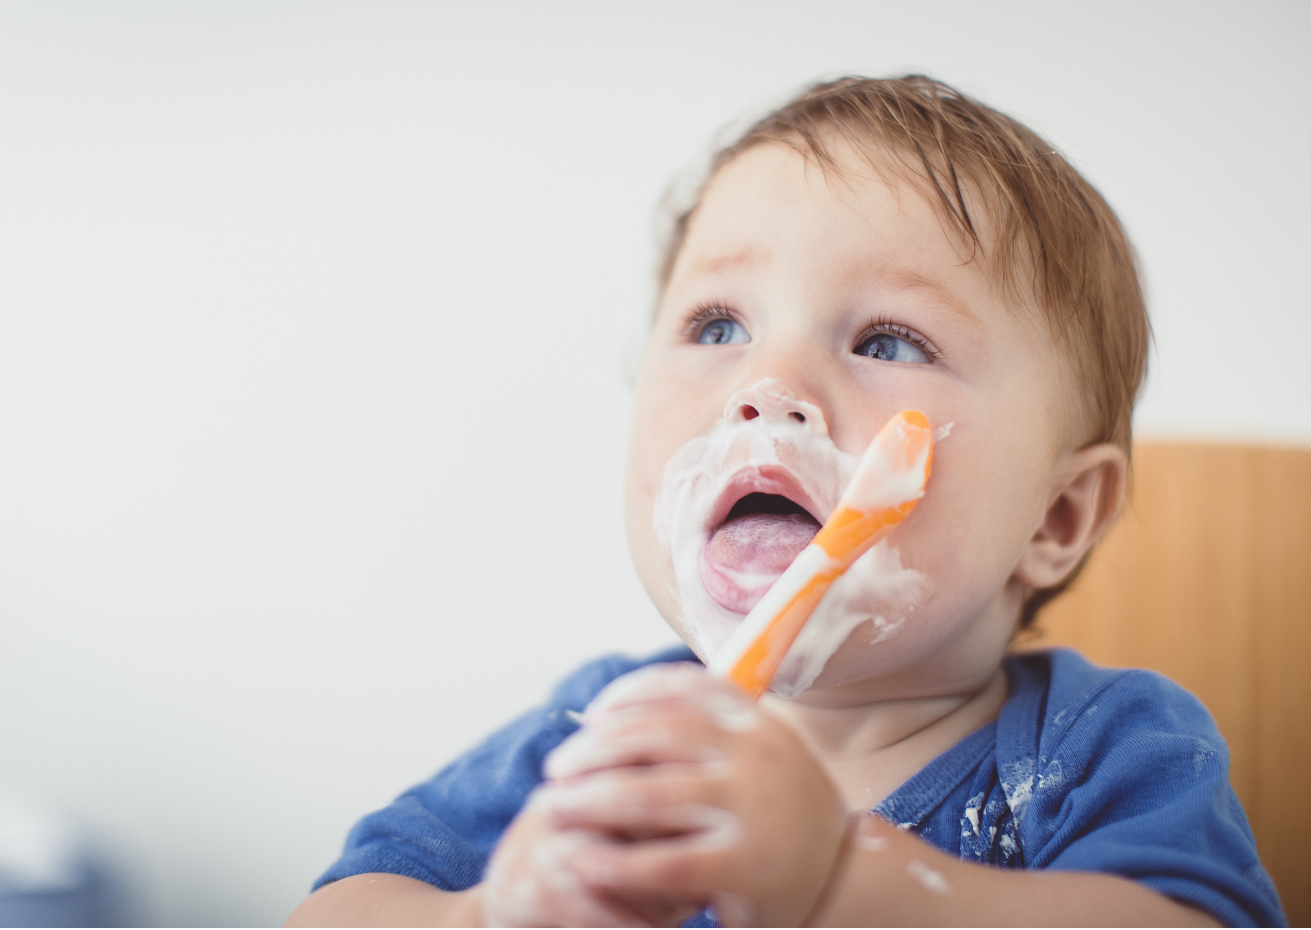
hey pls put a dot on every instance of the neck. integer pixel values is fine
(870, 749)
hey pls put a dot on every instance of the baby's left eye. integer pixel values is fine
(891, 348)
(722, 331)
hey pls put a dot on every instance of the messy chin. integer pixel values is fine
(702, 621)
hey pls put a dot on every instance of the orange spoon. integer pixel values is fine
(888, 482)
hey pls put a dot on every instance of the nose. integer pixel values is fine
(748, 412)
(774, 403)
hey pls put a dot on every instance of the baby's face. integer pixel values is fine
(802, 313)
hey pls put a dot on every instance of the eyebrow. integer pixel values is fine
(912, 281)
(900, 278)
(742, 258)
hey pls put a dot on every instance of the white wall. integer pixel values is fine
(312, 318)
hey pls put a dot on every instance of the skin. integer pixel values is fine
(804, 261)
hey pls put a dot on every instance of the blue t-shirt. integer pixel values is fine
(1086, 769)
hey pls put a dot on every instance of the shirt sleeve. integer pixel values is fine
(443, 831)
(1131, 778)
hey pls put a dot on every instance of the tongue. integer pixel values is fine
(746, 555)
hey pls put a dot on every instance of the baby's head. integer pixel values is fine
(875, 246)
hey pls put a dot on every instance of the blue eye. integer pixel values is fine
(723, 332)
(890, 348)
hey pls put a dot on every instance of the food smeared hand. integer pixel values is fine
(688, 789)
(531, 881)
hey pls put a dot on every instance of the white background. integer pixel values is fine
(312, 328)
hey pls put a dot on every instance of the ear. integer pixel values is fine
(1087, 492)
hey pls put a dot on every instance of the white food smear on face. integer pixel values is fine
(877, 588)
(876, 585)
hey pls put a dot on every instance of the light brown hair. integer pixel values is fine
(1055, 242)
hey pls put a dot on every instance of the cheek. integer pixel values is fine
(660, 425)
(641, 482)
(978, 514)
(648, 449)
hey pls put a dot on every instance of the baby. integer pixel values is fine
(875, 245)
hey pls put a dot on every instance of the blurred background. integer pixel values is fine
(314, 320)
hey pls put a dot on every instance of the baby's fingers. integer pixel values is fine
(692, 865)
(633, 802)
(536, 886)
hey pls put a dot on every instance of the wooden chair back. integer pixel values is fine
(1207, 579)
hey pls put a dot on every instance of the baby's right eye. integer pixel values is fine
(722, 331)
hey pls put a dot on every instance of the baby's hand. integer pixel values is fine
(701, 794)
(530, 882)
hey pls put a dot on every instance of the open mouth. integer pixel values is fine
(757, 540)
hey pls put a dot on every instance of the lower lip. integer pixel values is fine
(733, 590)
